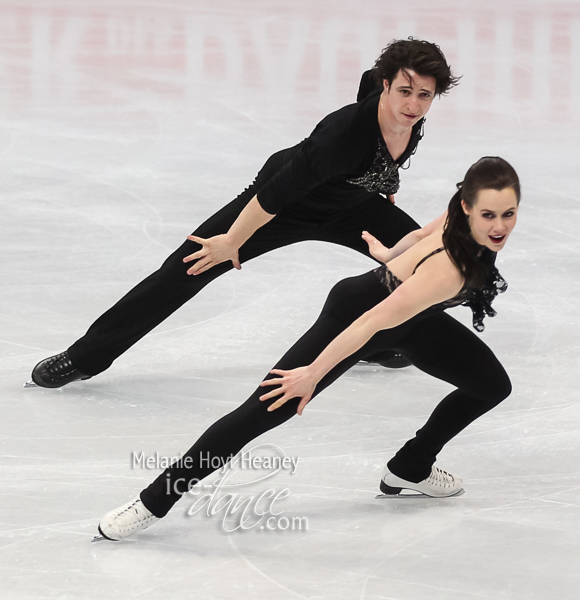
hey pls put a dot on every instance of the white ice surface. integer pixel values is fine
(122, 126)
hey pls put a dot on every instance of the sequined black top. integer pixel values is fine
(479, 300)
(342, 163)
(383, 174)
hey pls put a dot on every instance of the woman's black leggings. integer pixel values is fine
(164, 291)
(435, 343)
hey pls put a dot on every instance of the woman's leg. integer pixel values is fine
(388, 223)
(348, 300)
(441, 346)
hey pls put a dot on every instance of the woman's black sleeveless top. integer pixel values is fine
(478, 299)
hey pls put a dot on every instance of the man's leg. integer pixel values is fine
(165, 290)
(377, 215)
(150, 302)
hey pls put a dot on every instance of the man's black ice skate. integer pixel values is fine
(390, 359)
(55, 371)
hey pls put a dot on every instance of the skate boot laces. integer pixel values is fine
(126, 520)
(60, 366)
(440, 478)
(133, 514)
(56, 371)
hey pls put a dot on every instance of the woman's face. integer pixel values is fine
(408, 98)
(493, 217)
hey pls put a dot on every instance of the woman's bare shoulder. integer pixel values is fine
(436, 280)
(441, 265)
(404, 265)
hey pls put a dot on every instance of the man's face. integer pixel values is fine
(409, 97)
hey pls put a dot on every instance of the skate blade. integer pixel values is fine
(413, 494)
(401, 495)
(102, 538)
(30, 384)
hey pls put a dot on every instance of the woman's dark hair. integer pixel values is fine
(424, 58)
(488, 173)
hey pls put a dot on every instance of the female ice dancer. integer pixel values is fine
(330, 187)
(398, 306)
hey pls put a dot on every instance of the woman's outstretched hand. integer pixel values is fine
(297, 383)
(214, 250)
(376, 249)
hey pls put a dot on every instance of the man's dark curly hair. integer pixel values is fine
(424, 58)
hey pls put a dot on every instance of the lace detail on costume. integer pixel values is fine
(390, 281)
(480, 299)
(383, 174)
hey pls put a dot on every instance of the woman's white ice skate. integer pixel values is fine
(125, 521)
(440, 484)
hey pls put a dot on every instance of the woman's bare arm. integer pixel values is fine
(384, 254)
(425, 288)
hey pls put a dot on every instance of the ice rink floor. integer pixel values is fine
(122, 126)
